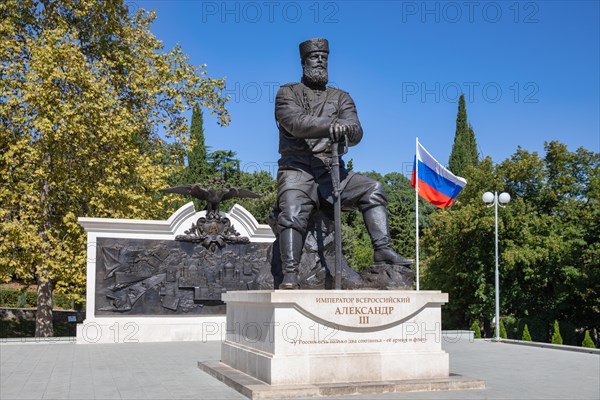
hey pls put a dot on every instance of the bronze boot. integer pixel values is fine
(290, 245)
(377, 226)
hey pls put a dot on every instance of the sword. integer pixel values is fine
(337, 206)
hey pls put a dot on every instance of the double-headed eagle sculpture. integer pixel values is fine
(213, 196)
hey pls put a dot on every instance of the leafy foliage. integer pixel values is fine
(17, 298)
(86, 89)
(503, 334)
(197, 169)
(459, 249)
(526, 336)
(260, 182)
(556, 337)
(476, 330)
(28, 299)
(224, 163)
(587, 341)
(548, 242)
(401, 222)
(464, 149)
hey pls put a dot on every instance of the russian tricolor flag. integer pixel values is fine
(436, 184)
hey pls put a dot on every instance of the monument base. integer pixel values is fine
(316, 368)
(256, 389)
(320, 339)
(300, 343)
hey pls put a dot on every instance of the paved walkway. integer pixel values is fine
(169, 371)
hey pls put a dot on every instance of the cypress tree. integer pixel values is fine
(587, 341)
(526, 336)
(197, 168)
(476, 329)
(556, 337)
(503, 334)
(464, 150)
(474, 155)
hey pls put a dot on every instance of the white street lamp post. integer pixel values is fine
(492, 199)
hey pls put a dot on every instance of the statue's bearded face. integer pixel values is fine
(314, 69)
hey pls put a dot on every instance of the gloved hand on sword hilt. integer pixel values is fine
(339, 132)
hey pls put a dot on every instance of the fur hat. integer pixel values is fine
(312, 45)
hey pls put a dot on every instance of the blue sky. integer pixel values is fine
(530, 71)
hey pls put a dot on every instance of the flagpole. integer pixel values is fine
(417, 207)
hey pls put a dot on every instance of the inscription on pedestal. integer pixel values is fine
(361, 309)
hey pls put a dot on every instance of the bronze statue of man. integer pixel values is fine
(311, 118)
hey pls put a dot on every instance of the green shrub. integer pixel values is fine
(502, 330)
(28, 299)
(22, 300)
(587, 341)
(8, 297)
(476, 329)
(31, 300)
(556, 338)
(62, 301)
(526, 336)
(17, 298)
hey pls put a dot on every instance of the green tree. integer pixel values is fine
(85, 89)
(476, 330)
(556, 337)
(587, 341)
(401, 213)
(197, 168)
(552, 246)
(548, 242)
(225, 164)
(458, 252)
(358, 249)
(473, 146)
(464, 150)
(503, 334)
(260, 182)
(526, 336)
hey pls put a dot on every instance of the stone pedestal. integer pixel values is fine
(315, 337)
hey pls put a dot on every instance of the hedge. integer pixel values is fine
(28, 299)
